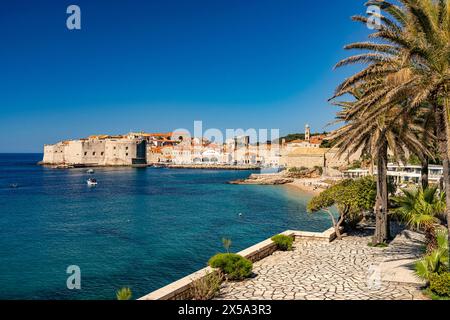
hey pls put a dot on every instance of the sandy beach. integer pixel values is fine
(307, 185)
(313, 186)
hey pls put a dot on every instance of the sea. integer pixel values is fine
(140, 228)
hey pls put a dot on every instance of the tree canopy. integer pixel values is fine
(350, 197)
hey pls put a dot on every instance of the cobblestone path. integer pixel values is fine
(341, 270)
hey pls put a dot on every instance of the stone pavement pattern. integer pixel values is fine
(341, 270)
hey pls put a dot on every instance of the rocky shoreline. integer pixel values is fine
(263, 179)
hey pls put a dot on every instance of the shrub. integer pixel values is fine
(437, 260)
(319, 169)
(284, 243)
(440, 284)
(233, 265)
(297, 170)
(124, 294)
(207, 287)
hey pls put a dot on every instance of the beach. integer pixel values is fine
(309, 185)
(312, 186)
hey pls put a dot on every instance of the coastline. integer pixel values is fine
(153, 165)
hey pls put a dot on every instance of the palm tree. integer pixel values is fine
(428, 136)
(437, 260)
(421, 209)
(412, 54)
(391, 130)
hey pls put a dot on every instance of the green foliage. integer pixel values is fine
(207, 287)
(227, 244)
(234, 266)
(440, 284)
(298, 136)
(319, 169)
(327, 144)
(420, 208)
(414, 160)
(355, 165)
(293, 136)
(351, 197)
(124, 294)
(297, 170)
(433, 296)
(437, 260)
(284, 243)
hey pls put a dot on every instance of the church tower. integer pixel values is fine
(307, 133)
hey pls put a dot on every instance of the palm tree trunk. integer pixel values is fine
(381, 215)
(424, 173)
(446, 164)
(442, 123)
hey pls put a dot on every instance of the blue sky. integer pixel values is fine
(160, 65)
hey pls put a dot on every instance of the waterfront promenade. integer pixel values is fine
(340, 270)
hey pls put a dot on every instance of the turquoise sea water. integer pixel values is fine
(141, 228)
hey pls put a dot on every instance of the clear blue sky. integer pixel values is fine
(159, 65)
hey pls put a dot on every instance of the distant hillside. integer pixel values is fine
(293, 136)
(299, 136)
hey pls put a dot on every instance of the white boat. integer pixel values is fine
(92, 182)
(90, 171)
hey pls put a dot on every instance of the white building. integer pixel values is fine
(402, 174)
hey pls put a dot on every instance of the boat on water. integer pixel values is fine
(92, 182)
(14, 185)
(90, 171)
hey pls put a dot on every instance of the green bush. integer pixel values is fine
(284, 243)
(440, 284)
(233, 265)
(297, 170)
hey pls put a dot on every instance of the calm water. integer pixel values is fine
(141, 228)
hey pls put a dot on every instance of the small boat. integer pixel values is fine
(92, 182)
(90, 171)
(14, 185)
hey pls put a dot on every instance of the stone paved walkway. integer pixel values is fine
(341, 270)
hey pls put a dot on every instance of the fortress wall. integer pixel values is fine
(93, 151)
(96, 152)
(73, 153)
(304, 161)
(120, 152)
(54, 154)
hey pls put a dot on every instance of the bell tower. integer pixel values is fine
(307, 133)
